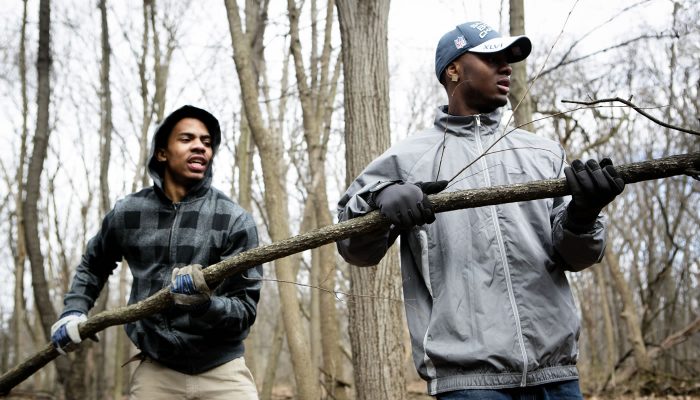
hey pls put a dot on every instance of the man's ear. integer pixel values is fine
(160, 155)
(451, 72)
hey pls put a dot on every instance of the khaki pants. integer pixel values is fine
(153, 381)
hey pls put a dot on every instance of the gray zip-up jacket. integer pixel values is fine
(154, 235)
(487, 301)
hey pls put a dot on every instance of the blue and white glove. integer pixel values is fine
(189, 289)
(64, 333)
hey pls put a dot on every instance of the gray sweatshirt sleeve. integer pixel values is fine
(99, 260)
(234, 302)
(369, 248)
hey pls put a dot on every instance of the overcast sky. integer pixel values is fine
(415, 26)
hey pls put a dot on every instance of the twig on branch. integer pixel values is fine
(637, 109)
(628, 42)
(636, 172)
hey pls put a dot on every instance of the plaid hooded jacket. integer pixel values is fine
(155, 235)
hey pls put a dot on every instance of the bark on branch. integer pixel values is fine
(685, 164)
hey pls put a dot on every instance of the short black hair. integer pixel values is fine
(187, 111)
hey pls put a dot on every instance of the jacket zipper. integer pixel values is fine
(171, 256)
(502, 250)
(171, 259)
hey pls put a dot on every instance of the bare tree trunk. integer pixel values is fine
(100, 372)
(20, 252)
(36, 166)
(141, 173)
(161, 62)
(610, 351)
(317, 93)
(272, 359)
(5, 347)
(47, 314)
(633, 323)
(255, 21)
(519, 97)
(375, 325)
(271, 150)
(244, 163)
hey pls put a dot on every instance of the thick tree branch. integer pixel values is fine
(685, 164)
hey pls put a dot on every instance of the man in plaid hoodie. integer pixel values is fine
(166, 233)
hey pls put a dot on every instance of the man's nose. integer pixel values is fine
(198, 146)
(505, 68)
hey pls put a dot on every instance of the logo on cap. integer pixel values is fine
(482, 28)
(460, 42)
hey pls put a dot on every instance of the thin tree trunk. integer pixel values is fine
(375, 325)
(36, 167)
(317, 94)
(273, 357)
(20, 254)
(100, 372)
(271, 150)
(610, 350)
(47, 314)
(518, 95)
(141, 173)
(161, 65)
(255, 21)
(632, 321)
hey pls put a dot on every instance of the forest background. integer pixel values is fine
(308, 92)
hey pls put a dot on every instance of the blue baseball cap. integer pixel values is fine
(478, 37)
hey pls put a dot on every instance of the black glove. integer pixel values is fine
(592, 187)
(432, 187)
(405, 204)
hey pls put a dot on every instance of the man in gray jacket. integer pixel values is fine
(488, 304)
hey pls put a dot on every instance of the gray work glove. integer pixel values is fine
(405, 204)
(593, 186)
(189, 289)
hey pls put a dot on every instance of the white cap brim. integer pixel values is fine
(519, 47)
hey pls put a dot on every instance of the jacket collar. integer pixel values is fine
(466, 125)
(198, 190)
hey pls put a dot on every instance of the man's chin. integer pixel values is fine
(495, 104)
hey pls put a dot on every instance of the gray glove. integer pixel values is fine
(189, 289)
(593, 186)
(404, 204)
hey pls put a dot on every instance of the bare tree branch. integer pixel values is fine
(636, 172)
(628, 42)
(637, 109)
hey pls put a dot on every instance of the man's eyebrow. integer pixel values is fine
(204, 135)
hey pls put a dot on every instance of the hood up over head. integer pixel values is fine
(160, 140)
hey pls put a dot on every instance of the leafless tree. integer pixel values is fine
(375, 323)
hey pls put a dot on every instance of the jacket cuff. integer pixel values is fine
(374, 191)
(578, 221)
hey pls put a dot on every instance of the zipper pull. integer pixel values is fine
(478, 120)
